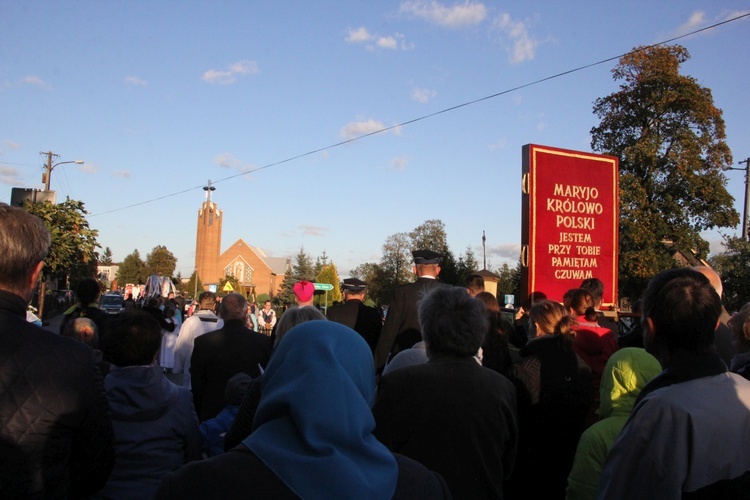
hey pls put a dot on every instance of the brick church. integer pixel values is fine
(254, 270)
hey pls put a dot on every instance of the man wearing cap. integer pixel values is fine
(304, 292)
(401, 329)
(355, 314)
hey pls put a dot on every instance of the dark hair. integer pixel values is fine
(684, 308)
(475, 282)
(233, 306)
(132, 339)
(595, 287)
(87, 291)
(740, 325)
(206, 300)
(490, 301)
(452, 321)
(582, 303)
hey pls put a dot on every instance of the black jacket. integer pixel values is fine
(219, 355)
(364, 320)
(56, 437)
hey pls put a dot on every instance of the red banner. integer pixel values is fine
(570, 220)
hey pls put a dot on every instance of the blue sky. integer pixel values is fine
(159, 97)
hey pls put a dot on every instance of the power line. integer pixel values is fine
(434, 114)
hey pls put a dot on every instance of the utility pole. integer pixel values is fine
(746, 161)
(726, 168)
(47, 175)
(484, 251)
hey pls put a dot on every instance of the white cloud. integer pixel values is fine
(227, 160)
(122, 174)
(698, 19)
(523, 45)
(457, 16)
(88, 168)
(13, 145)
(541, 126)
(360, 128)
(230, 73)
(134, 80)
(26, 80)
(510, 251)
(313, 230)
(9, 175)
(422, 95)
(372, 41)
(360, 35)
(500, 144)
(400, 162)
(32, 80)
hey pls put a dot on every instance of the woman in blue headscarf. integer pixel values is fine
(312, 432)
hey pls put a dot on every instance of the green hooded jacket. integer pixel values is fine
(626, 373)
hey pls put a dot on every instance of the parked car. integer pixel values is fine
(112, 303)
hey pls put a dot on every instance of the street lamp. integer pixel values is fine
(747, 192)
(50, 167)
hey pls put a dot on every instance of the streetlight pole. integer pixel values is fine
(47, 176)
(746, 161)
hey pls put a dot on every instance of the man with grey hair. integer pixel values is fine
(56, 437)
(223, 353)
(451, 414)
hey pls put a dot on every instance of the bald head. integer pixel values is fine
(712, 276)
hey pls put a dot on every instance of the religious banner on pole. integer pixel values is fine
(569, 222)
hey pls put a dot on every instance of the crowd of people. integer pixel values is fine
(442, 398)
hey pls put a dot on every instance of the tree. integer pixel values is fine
(194, 286)
(132, 270)
(286, 293)
(429, 235)
(467, 264)
(73, 243)
(733, 265)
(510, 281)
(395, 265)
(303, 267)
(161, 261)
(236, 286)
(105, 258)
(329, 275)
(670, 140)
(370, 273)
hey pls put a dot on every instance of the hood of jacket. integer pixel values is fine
(626, 373)
(139, 393)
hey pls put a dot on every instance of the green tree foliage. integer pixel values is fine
(733, 265)
(303, 269)
(395, 266)
(286, 294)
(194, 284)
(370, 273)
(236, 286)
(467, 264)
(429, 235)
(328, 274)
(105, 259)
(670, 140)
(132, 270)
(510, 281)
(73, 248)
(161, 261)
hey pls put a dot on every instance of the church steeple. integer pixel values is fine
(208, 241)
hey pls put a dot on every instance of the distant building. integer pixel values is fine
(256, 272)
